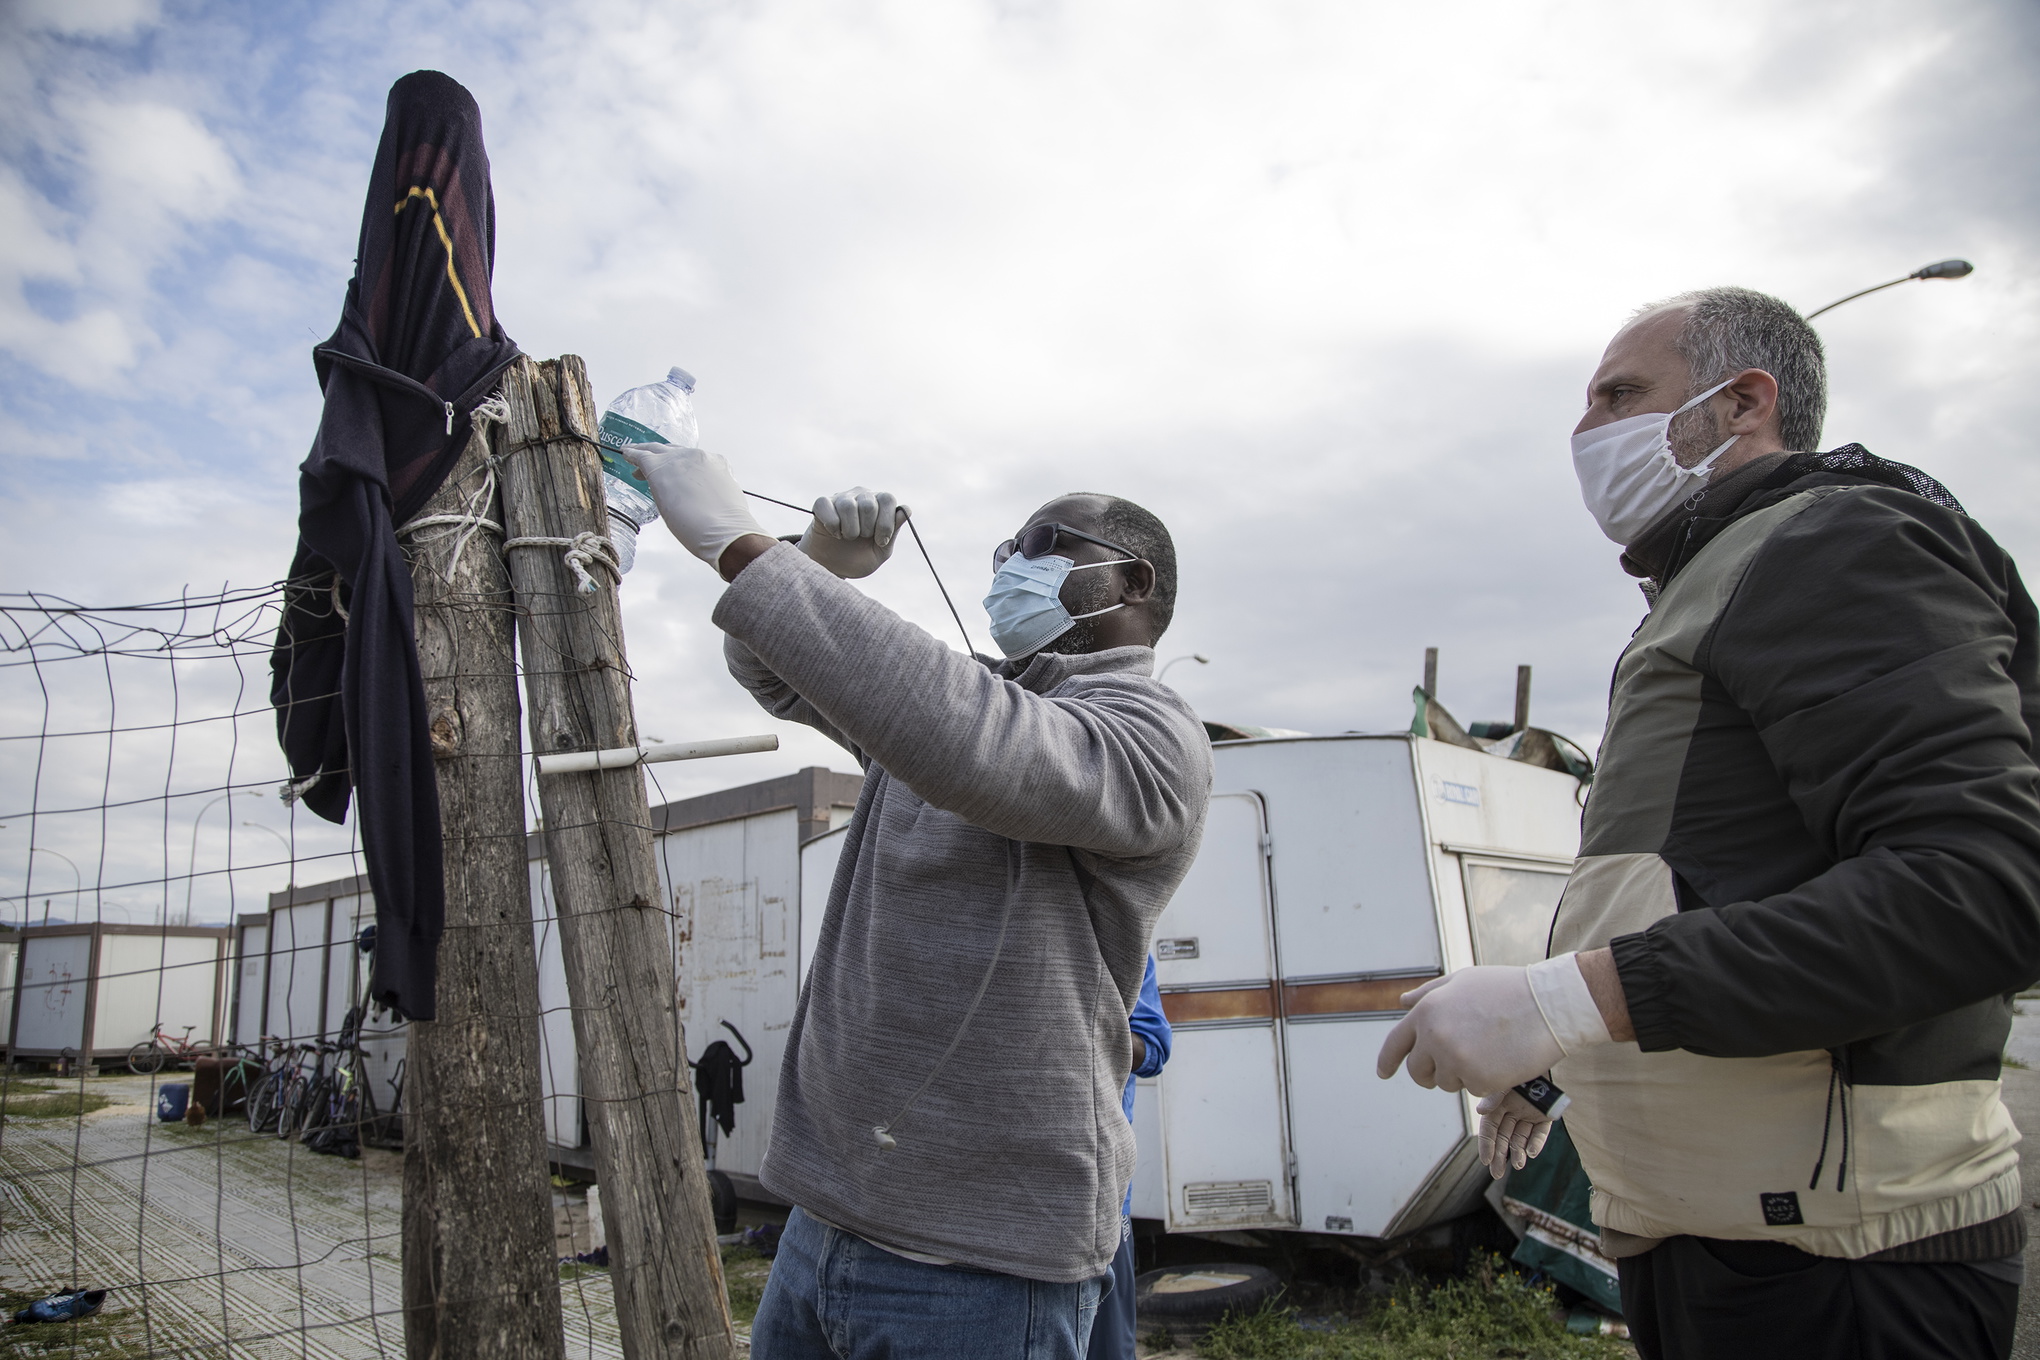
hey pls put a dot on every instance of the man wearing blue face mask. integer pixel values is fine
(949, 1122)
(1808, 883)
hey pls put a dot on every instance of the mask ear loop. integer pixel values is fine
(1700, 468)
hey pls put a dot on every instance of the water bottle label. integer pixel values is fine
(618, 429)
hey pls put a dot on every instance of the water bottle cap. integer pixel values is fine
(683, 377)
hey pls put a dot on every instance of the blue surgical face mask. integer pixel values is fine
(1026, 603)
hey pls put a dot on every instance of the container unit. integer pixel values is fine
(300, 971)
(730, 870)
(94, 990)
(251, 978)
(10, 955)
(1336, 873)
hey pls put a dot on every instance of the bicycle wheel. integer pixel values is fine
(262, 1103)
(290, 1104)
(147, 1059)
(316, 1111)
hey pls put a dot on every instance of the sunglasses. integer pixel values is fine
(1040, 540)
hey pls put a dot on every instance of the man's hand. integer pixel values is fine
(1512, 1131)
(1139, 1053)
(852, 534)
(1477, 1030)
(697, 496)
(1486, 1029)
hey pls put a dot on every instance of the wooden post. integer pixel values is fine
(1430, 672)
(614, 933)
(479, 1275)
(1522, 698)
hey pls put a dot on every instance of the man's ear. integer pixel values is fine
(1140, 582)
(1753, 397)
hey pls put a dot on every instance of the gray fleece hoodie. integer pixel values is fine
(1041, 813)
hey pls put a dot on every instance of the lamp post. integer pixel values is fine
(77, 883)
(288, 853)
(1198, 657)
(1945, 269)
(191, 869)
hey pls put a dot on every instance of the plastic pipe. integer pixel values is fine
(622, 757)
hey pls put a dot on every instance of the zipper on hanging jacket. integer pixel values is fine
(389, 377)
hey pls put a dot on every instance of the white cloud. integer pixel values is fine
(85, 18)
(1320, 282)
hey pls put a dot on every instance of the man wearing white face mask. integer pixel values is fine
(1809, 877)
(949, 1121)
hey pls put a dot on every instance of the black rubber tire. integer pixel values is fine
(262, 1105)
(722, 1199)
(146, 1060)
(1236, 1289)
(288, 1106)
(315, 1111)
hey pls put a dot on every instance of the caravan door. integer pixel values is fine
(1224, 1096)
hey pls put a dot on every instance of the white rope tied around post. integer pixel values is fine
(581, 552)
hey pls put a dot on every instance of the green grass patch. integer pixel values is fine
(744, 1274)
(1492, 1312)
(53, 1105)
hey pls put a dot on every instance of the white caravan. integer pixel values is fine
(1336, 873)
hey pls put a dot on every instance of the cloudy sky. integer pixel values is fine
(1320, 283)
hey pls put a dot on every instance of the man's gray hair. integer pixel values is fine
(1730, 329)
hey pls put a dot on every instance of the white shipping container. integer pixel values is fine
(94, 991)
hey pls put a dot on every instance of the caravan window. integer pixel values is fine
(1511, 906)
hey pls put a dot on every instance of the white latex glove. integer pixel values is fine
(1485, 1029)
(853, 531)
(1512, 1131)
(698, 498)
(1477, 1030)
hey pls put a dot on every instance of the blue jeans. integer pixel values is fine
(1115, 1332)
(834, 1296)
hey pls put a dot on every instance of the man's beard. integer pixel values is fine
(1093, 590)
(1695, 434)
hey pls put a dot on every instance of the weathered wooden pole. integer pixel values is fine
(663, 1260)
(479, 1275)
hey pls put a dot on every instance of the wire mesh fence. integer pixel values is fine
(167, 905)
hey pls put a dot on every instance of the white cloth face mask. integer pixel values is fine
(1628, 476)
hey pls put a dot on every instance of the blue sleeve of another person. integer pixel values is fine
(1152, 1026)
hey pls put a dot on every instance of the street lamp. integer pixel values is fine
(77, 883)
(288, 853)
(1198, 657)
(1946, 269)
(191, 869)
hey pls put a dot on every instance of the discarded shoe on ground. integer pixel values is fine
(63, 1307)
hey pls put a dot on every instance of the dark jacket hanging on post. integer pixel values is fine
(417, 349)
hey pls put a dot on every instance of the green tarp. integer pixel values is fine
(1551, 1196)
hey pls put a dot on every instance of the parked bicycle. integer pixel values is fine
(265, 1093)
(160, 1050)
(339, 1113)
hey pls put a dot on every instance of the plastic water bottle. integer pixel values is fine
(657, 413)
